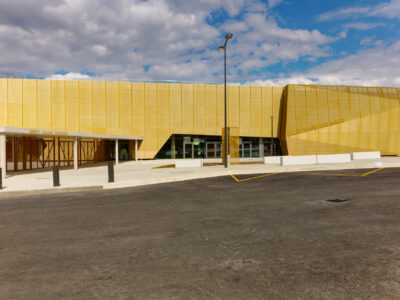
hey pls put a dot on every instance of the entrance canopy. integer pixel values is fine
(56, 133)
(24, 148)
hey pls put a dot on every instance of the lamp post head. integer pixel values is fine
(221, 48)
(229, 36)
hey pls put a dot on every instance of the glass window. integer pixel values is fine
(188, 146)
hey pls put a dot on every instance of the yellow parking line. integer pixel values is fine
(234, 177)
(332, 174)
(246, 179)
(324, 174)
(366, 174)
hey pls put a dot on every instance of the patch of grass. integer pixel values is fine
(165, 166)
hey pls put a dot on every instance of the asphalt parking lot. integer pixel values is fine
(331, 235)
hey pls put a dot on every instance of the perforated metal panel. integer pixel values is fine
(233, 145)
(317, 119)
(336, 119)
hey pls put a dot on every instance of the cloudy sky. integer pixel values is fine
(275, 41)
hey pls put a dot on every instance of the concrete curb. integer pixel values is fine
(51, 191)
(278, 169)
(120, 184)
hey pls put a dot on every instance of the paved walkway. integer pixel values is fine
(145, 172)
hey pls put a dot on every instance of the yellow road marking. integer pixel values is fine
(324, 174)
(366, 174)
(234, 177)
(332, 174)
(246, 179)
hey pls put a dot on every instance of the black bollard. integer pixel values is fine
(1, 179)
(56, 176)
(110, 171)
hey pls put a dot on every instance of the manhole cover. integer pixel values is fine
(337, 200)
(240, 263)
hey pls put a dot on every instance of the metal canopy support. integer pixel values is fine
(3, 159)
(75, 153)
(116, 152)
(136, 148)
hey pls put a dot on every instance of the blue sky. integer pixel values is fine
(351, 33)
(275, 42)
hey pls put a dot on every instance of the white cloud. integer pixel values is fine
(173, 40)
(379, 66)
(273, 3)
(147, 40)
(264, 43)
(375, 66)
(343, 13)
(69, 76)
(367, 41)
(110, 38)
(100, 50)
(388, 9)
(299, 79)
(363, 25)
(359, 26)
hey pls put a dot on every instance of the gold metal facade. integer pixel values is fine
(338, 119)
(153, 111)
(307, 119)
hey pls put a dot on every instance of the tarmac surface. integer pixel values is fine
(331, 235)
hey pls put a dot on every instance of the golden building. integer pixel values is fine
(340, 119)
(45, 122)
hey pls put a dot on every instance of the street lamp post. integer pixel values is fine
(272, 136)
(227, 38)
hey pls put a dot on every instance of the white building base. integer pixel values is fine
(366, 155)
(188, 163)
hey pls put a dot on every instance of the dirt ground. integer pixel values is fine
(287, 236)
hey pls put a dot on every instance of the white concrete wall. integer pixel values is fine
(298, 160)
(366, 155)
(333, 158)
(188, 163)
(272, 160)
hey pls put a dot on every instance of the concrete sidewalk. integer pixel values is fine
(143, 172)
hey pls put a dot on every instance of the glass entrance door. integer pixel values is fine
(197, 151)
(187, 150)
(192, 150)
(245, 149)
(124, 151)
(214, 150)
(274, 144)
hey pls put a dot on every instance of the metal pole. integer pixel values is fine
(1, 180)
(226, 142)
(116, 153)
(136, 148)
(110, 171)
(226, 125)
(272, 135)
(56, 176)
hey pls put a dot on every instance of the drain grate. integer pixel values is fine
(337, 200)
